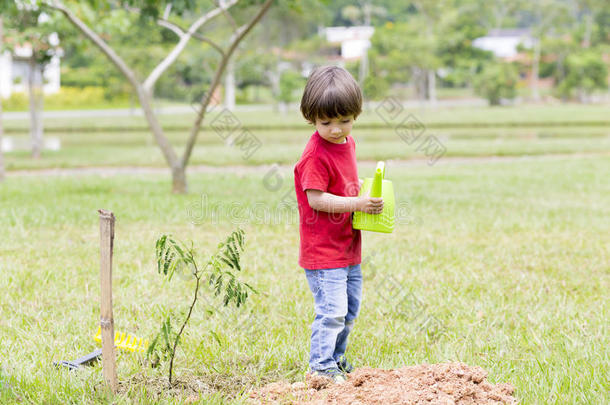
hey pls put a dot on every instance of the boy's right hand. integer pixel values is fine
(371, 205)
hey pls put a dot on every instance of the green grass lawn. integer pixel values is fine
(523, 115)
(285, 147)
(464, 132)
(509, 261)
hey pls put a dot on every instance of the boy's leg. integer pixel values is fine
(354, 296)
(329, 288)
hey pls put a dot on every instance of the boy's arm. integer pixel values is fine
(327, 202)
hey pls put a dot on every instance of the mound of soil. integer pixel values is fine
(444, 383)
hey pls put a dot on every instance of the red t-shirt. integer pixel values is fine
(327, 240)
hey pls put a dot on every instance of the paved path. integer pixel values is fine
(242, 169)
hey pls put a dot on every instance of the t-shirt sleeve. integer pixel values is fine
(313, 174)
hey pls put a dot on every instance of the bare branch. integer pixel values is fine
(96, 39)
(133, 10)
(168, 9)
(227, 14)
(239, 34)
(171, 26)
(210, 42)
(180, 32)
(173, 55)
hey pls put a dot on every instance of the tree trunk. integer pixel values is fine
(35, 99)
(472, 72)
(588, 29)
(132, 104)
(418, 83)
(274, 78)
(423, 84)
(432, 86)
(1, 126)
(179, 184)
(561, 74)
(363, 67)
(535, 70)
(230, 86)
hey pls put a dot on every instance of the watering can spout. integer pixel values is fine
(378, 180)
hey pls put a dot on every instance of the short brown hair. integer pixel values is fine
(330, 92)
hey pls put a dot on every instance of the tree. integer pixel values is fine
(151, 9)
(431, 12)
(497, 81)
(1, 124)
(27, 26)
(402, 61)
(290, 81)
(546, 15)
(585, 72)
(496, 14)
(37, 62)
(588, 14)
(558, 49)
(459, 59)
(430, 38)
(285, 37)
(362, 16)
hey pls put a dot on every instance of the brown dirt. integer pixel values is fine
(444, 383)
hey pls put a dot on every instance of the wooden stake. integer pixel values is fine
(106, 318)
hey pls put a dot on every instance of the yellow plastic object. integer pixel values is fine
(125, 342)
(378, 187)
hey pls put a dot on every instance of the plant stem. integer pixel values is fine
(188, 316)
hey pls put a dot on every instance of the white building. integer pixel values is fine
(504, 42)
(14, 70)
(354, 40)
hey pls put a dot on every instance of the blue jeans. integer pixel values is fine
(337, 294)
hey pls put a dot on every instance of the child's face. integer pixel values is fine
(334, 129)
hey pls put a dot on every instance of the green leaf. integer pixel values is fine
(152, 346)
(228, 262)
(216, 338)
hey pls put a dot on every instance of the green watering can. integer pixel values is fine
(378, 187)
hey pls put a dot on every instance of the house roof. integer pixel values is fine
(341, 34)
(504, 42)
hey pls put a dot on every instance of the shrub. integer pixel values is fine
(497, 81)
(290, 81)
(67, 98)
(585, 72)
(16, 102)
(73, 97)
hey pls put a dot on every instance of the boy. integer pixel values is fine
(327, 185)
